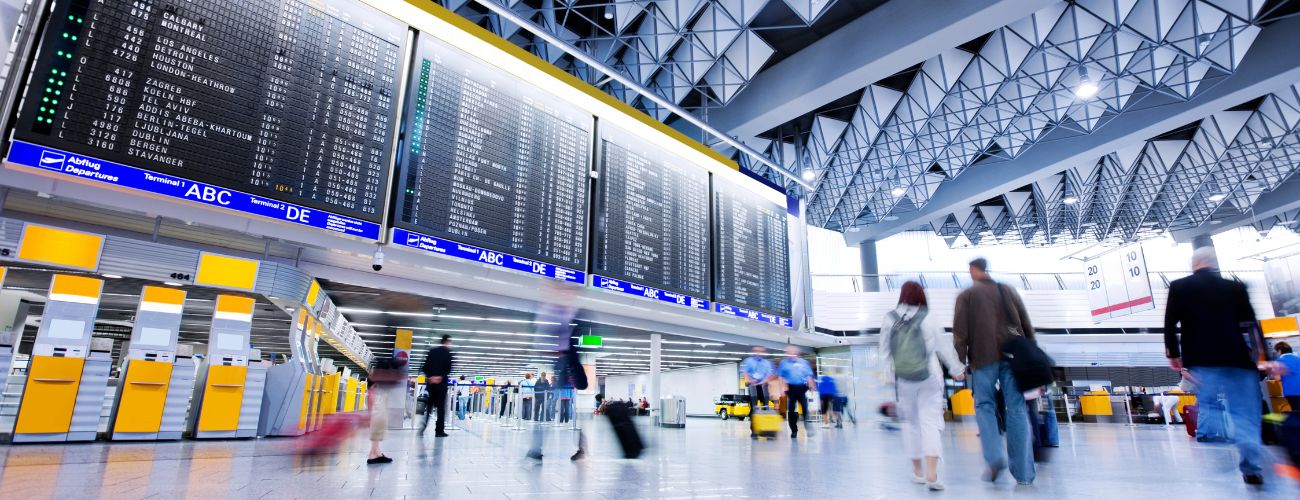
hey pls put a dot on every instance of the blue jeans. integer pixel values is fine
(1239, 388)
(1211, 418)
(984, 383)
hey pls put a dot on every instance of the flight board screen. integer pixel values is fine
(283, 100)
(492, 161)
(654, 217)
(752, 248)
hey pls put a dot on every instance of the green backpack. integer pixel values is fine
(907, 347)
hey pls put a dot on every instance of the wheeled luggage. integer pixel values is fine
(620, 418)
(1189, 413)
(765, 420)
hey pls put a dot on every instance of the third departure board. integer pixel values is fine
(291, 100)
(753, 260)
(654, 217)
(492, 161)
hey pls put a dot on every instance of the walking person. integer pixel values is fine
(555, 321)
(1290, 379)
(798, 376)
(985, 316)
(1219, 350)
(756, 371)
(526, 393)
(542, 392)
(436, 369)
(386, 377)
(913, 351)
(826, 393)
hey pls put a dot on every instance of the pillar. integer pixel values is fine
(870, 266)
(656, 340)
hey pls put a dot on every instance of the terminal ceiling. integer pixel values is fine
(880, 152)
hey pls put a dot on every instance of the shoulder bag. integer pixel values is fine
(1031, 367)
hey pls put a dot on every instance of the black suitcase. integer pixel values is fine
(620, 418)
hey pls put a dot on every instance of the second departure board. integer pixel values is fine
(492, 161)
(653, 210)
(752, 247)
(289, 101)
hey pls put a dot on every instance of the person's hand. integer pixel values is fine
(435, 380)
(1176, 364)
(959, 376)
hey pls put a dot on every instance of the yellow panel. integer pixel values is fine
(1279, 326)
(229, 272)
(50, 395)
(319, 396)
(306, 403)
(3, 272)
(1096, 405)
(144, 394)
(963, 403)
(162, 295)
(222, 398)
(331, 394)
(350, 396)
(81, 286)
(554, 71)
(403, 340)
(60, 247)
(235, 304)
(313, 292)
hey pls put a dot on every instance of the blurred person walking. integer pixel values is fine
(386, 377)
(798, 376)
(756, 371)
(1221, 348)
(541, 393)
(915, 355)
(986, 316)
(1290, 379)
(827, 392)
(556, 320)
(527, 388)
(436, 369)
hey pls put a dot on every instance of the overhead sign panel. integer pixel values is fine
(282, 109)
(752, 255)
(1118, 284)
(492, 161)
(652, 220)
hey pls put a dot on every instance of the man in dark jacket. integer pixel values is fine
(1215, 318)
(984, 312)
(436, 369)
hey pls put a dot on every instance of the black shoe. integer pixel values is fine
(535, 455)
(578, 455)
(440, 435)
(1253, 479)
(378, 460)
(794, 435)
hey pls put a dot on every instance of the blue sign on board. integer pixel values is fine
(653, 293)
(752, 314)
(440, 246)
(107, 172)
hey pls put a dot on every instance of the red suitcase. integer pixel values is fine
(1189, 419)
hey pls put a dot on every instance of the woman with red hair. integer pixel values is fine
(912, 349)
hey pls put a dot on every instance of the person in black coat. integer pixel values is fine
(436, 369)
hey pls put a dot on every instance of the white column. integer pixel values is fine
(655, 367)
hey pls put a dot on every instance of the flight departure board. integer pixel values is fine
(653, 210)
(290, 101)
(753, 260)
(492, 161)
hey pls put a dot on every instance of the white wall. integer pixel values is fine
(700, 385)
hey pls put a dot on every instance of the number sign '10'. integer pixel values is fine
(1117, 283)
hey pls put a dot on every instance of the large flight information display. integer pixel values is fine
(753, 259)
(493, 162)
(289, 103)
(653, 210)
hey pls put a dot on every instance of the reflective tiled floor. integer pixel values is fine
(707, 459)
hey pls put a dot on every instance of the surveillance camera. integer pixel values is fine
(378, 263)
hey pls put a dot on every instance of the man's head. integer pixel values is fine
(528, 376)
(758, 350)
(792, 351)
(1282, 348)
(1204, 258)
(979, 269)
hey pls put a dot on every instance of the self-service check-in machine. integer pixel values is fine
(228, 393)
(329, 389)
(155, 382)
(13, 316)
(67, 376)
(288, 387)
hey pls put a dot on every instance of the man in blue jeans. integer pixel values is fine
(981, 323)
(1220, 350)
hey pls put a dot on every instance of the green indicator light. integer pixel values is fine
(54, 72)
(58, 92)
(60, 52)
(78, 20)
(68, 55)
(60, 83)
(55, 102)
(72, 18)
(63, 73)
(42, 109)
(45, 99)
(51, 80)
(47, 89)
(65, 35)
(74, 38)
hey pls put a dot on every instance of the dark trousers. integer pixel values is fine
(505, 401)
(539, 407)
(437, 398)
(795, 394)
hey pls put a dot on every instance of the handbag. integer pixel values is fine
(1030, 365)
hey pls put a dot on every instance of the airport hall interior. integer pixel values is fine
(650, 249)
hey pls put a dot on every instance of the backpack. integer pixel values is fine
(907, 347)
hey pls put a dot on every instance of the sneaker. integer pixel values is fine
(992, 474)
(1253, 479)
(440, 435)
(1025, 483)
(535, 455)
(934, 486)
(378, 460)
(578, 455)
(918, 479)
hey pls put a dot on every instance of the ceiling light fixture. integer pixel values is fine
(1087, 88)
(1070, 200)
(898, 191)
(609, 12)
(172, 283)
(111, 276)
(809, 175)
(1218, 197)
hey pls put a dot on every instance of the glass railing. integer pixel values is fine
(1023, 281)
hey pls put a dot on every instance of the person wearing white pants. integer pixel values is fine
(920, 402)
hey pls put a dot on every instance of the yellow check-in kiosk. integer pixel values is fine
(67, 376)
(227, 393)
(156, 383)
(317, 376)
(327, 403)
(351, 394)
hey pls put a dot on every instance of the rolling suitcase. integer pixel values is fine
(620, 418)
(766, 421)
(1189, 413)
